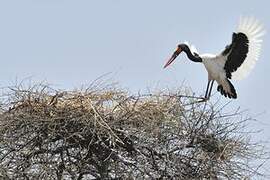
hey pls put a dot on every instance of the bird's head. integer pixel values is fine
(179, 49)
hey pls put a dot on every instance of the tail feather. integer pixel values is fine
(230, 93)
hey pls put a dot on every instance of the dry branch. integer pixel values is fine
(108, 134)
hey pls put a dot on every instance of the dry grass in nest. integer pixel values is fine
(109, 134)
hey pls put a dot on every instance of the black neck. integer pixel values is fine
(193, 58)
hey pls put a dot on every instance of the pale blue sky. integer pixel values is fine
(70, 43)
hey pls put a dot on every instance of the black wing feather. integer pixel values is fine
(237, 53)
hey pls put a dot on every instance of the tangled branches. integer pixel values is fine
(108, 134)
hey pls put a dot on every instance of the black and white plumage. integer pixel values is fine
(235, 62)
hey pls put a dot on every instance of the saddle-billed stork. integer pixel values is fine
(235, 62)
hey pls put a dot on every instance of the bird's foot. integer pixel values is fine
(204, 99)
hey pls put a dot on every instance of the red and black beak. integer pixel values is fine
(175, 54)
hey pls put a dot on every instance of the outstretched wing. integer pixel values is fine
(241, 55)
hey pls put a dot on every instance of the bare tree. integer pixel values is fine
(105, 133)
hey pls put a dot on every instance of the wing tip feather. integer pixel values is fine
(254, 30)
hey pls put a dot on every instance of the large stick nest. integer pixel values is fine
(108, 134)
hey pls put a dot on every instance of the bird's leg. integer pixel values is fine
(206, 93)
(209, 94)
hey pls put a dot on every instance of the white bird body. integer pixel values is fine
(235, 62)
(214, 66)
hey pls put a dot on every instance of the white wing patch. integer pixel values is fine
(254, 31)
